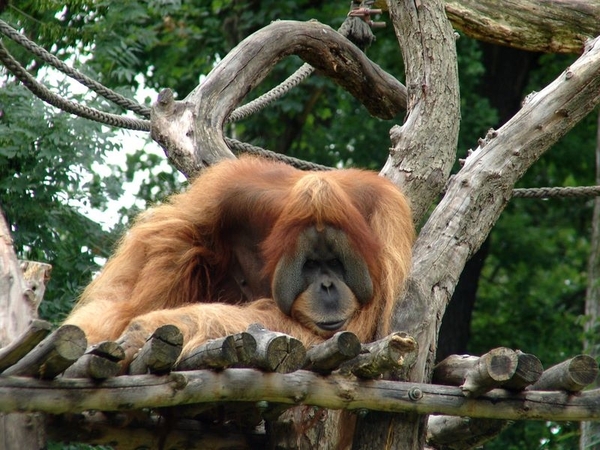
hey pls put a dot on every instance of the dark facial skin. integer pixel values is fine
(323, 282)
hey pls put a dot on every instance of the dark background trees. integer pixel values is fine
(524, 289)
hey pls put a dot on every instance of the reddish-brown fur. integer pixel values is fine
(178, 261)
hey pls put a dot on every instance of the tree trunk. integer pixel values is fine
(455, 330)
(424, 150)
(18, 306)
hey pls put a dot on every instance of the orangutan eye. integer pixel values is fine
(311, 264)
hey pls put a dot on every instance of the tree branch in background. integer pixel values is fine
(553, 27)
(191, 131)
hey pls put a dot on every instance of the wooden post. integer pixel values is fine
(19, 299)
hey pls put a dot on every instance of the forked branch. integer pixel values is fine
(191, 131)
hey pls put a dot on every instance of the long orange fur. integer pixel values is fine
(173, 265)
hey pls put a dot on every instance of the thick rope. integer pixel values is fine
(274, 94)
(238, 114)
(553, 192)
(49, 58)
(352, 28)
(71, 107)
(46, 95)
(131, 105)
(242, 147)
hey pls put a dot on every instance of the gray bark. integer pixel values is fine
(247, 385)
(554, 27)
(18, 307)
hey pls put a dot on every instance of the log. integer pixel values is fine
(245, 349)
(214, 354)
(571, 375)
(327, 356)
(236, 350)
(477, 375)
(99, 362)
(529, 370)
(462, 433)
(53, 355)
(393, 353)
(160, 352)
(276, 352)
(128, 393)
(23, 344)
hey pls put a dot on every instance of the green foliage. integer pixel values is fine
(532, 435)
(62, 446)
(477, 115)
(45, 162)
(49, 159)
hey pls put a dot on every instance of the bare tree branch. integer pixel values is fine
(191, 131)
(478, 193)
(560, 26)
(556, 27)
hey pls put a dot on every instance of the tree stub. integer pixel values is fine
(328, 356)
(276, 352)
(477, 375)
(22, 345)
(159, 353)
(53, 355)
(393, 353)
(571, 375)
